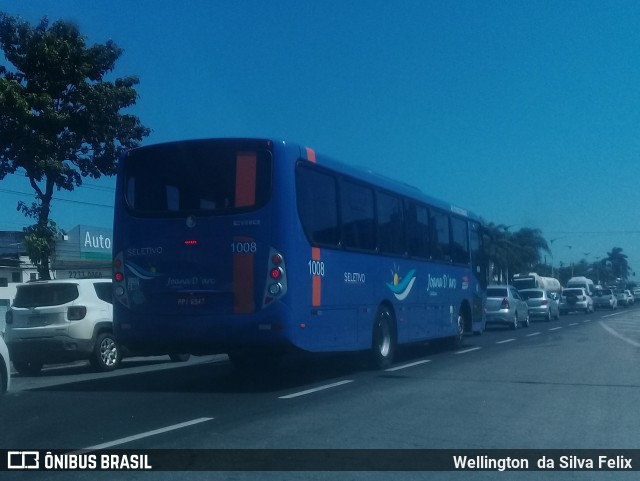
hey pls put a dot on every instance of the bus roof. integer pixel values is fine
(363, 174)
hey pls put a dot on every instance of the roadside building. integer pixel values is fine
(83, 252)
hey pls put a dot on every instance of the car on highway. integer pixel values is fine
(506, 306)
(623, 297)
(60, 321)
(605, 298)
(5, 367)
(542, 304)
(575, 299)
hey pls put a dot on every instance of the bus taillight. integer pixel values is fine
(119, 279)
(276, 273)
(276, 285)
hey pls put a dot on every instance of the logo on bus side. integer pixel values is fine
(441, 282)
(401, 286)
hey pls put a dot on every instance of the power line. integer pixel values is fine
(84, 184)
(16, 192)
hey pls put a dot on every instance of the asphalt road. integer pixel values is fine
(567, 384)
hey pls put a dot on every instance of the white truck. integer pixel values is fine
(581, 281)
(532, 280)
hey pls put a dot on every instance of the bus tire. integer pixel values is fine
(384, 340)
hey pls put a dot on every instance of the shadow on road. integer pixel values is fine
(219, 376)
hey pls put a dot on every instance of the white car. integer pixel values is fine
(623, 297)
(575, 299)
(61, 321)
(5, 367)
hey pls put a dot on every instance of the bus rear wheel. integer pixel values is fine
(384, 342)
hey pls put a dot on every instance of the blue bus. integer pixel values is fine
(251, 247)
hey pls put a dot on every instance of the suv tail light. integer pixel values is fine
(8, 317)
(505, 304)
(76, 313)
(544, 302)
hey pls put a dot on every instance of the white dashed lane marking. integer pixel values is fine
(146, 434)
(404, 366)
(316, 389)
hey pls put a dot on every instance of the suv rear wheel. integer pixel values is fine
(106, 354)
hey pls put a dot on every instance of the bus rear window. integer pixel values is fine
(198, 177)
(42, 295)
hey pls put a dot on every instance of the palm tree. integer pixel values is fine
(511, 252)
(531, 244)
(619, 264)
(500, 251)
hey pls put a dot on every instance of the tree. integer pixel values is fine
(512, 252)
(531, 245)
(60, 120)
(619, 264)
(500, 250)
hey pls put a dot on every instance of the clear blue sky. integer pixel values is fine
(527, 113)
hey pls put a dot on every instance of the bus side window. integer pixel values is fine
(358, 220)
(477, 254)
(390, 225)
(318, 205)
(440, 243)
(417, 222)
(459, 241)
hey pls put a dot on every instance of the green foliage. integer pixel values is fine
(60, 120)
(521, 251)
(40, 244)
(512, 252)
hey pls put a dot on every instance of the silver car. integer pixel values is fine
(542, 304)
(605, 298)
(575, 299)
(505, 306)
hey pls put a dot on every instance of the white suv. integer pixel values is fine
(575, 299)
(62, 321)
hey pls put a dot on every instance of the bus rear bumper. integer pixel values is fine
(154, 334)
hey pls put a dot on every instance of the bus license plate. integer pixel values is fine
(191, 299)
